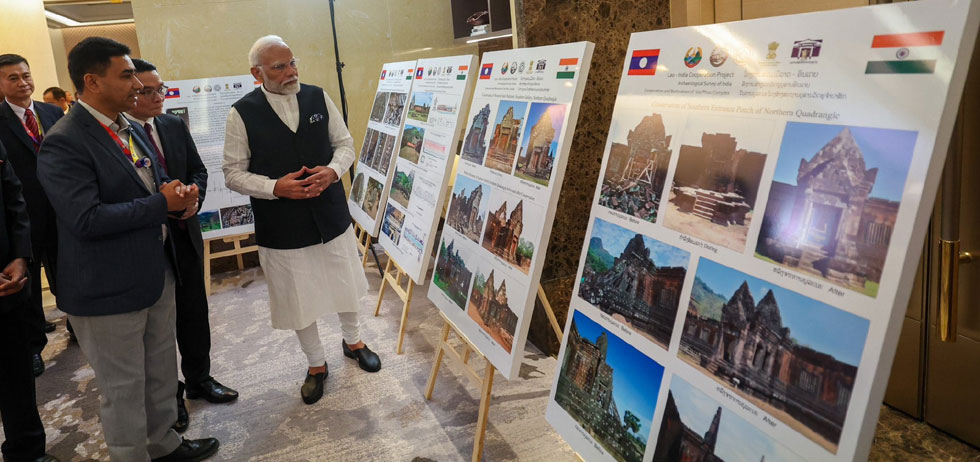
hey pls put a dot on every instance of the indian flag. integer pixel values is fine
(566, 68)
(462, 72)
(913, 53)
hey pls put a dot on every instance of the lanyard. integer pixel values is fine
(40, 129)
(130, 152)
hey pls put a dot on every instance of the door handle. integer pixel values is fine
(949, 245)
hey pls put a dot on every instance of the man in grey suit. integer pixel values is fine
(111, 201)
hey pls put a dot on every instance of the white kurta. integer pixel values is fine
(306, 283)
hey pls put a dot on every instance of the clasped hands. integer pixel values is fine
(289, 186)
(180, 198)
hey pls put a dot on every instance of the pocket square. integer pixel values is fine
(316, 118)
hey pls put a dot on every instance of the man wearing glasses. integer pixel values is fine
(176, 152)
(286, 146)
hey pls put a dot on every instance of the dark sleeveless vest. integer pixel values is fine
(276, 151)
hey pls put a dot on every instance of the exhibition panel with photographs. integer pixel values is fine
(758, 215)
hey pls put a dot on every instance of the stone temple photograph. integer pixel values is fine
(635, 279)
(468, 207)
(539, 144)
(505, 134)
(834, 201)
(489, 306)
(696, 428)
(636, 170)
(508, 233)
(716, 182)
(475, 142)
(793, 357)
(452, 275)
(378, 108)
(609, 387)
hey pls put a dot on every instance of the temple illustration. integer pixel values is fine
(636, 172)
(634, 287)
(503, 144)
(538, 157)
(464, 213)
(750, 348)
(474, 145)
(716, 181)
(828, 224)
(503, 235)
(677, 442)
(451, 273)
(489, 303)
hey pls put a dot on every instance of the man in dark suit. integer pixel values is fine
(175, 149)
(23, 124)
(112, 203)
(22, 426)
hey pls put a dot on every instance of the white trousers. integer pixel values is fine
(309, 338)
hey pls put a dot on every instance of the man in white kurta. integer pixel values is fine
(307, 279)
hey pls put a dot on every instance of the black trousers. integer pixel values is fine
(18, 403)
(193, 327)
(45, 251)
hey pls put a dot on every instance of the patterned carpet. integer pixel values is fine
(363, 417)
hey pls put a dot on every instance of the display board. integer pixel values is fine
(511, 167)
(428, 144)
(203, 104)
(372, 176)
(763, 198)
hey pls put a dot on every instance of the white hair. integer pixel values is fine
(262, 44)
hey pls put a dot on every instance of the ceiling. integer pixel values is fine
(83, 13)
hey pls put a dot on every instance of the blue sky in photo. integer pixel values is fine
(738, 441)
(813, 324)
(636, 377)
(557, 121)
(422, 98)
(469, 184)
(520, 109)
(614, 240)
(888, 150)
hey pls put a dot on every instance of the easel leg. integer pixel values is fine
(435, 365)
(238, 248)
(376, 261)
(481, 422)
(384, 280)
(401, 329)
(364, 257)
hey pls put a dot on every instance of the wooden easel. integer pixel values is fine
(405, 294)
(363, 242)
(484, 380)
(237, 252)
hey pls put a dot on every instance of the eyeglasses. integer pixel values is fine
(162, 91)
(279, 67)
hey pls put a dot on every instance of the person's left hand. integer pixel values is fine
(14, 276)
(190, 212)
(321, 177)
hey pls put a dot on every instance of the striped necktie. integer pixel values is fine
(32, 129)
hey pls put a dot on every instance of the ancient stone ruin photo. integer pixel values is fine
(717, 178)
(468, 207)
(380, 103)
(609, 387)
(636, 171)
(539, 144)
(794, 358)
(451, 275)
(506, 131)
(834, 201)
(635, 279)
(697, 428)
(510, 223)
(475, 142)
(489, 306)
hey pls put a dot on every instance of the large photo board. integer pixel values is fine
(424, 160)
(374, 172)
(203, 104)
(514, 151)
(762, 203)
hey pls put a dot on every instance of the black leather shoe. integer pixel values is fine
(38, 365)
(365, 358)
(49, 327)
(191, 451)
(312, 389)
(211, 391)
(47, 458)
(71, 333)
(183, 419)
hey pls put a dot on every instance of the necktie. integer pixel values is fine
(160, 160)
(31, 123)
